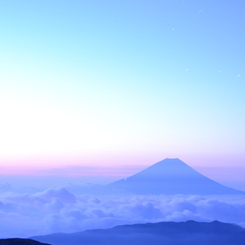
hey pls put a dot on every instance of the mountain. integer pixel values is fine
(20, 241)
(171, 233)
(169, 177)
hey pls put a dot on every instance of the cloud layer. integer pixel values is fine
(58, 210)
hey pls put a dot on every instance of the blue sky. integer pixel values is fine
(122, 82)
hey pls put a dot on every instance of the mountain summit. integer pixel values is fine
(171, 176)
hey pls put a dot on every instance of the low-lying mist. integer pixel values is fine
(59, 210)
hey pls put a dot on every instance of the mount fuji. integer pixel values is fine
(169, 177)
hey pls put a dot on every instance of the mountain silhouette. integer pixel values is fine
(169, 177)
(20, 241)
(171, 233)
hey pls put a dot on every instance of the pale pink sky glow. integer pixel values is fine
(109, 163)
(224, 169)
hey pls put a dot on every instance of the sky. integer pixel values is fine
(121, 85)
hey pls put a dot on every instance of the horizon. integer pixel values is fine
(75, 207)
(61, 176)
(92, 92)
(121, 83)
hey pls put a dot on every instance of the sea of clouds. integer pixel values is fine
(59, 210)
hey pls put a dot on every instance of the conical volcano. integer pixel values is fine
(170, 177)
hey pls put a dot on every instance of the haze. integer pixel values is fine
(121, 83)
(92, 92)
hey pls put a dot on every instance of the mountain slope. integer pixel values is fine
(169, 177)
(171, 233)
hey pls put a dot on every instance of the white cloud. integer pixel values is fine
(58, 210)
(61, 194)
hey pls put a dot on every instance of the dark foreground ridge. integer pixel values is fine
(20, 241)
(170, 233)
(170, 177)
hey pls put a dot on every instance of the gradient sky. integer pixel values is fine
(112, 83)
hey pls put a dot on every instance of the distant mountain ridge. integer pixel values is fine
(170, 177)
(171, 233)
